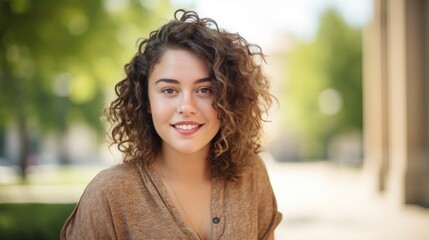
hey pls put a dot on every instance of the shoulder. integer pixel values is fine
(253, 177)
(256, 167)
(256, 175)
(113, 174)
(109, 188)
(94, 215)
(113, 179)
(118, 171)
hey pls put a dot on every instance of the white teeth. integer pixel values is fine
(186, 127)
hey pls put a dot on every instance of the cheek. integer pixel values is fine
(153, 103)
(156, 109)
(211, 114)
(161, 110)
(208, 107)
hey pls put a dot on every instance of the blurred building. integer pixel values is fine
(396, 84)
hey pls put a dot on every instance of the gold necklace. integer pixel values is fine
(195, 231)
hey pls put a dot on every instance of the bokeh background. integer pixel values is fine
(346, 147)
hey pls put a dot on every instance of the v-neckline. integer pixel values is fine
(177, 217)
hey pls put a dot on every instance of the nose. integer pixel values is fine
(187, 105)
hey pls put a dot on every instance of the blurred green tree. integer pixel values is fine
(324, 85)
(57, 58)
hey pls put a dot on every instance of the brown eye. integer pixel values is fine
(168, 91)
(205, 90)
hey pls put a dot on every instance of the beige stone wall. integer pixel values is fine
(396, 103)
(426, 19)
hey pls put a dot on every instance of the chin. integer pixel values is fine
(189, 149)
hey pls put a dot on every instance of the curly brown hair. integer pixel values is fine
(241, 93)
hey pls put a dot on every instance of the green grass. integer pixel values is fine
(33, 220)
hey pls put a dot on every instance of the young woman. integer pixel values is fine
(188, 120)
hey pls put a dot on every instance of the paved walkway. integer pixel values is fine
(319, 201)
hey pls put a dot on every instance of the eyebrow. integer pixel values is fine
(174, 81)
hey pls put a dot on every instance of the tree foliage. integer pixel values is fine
(324, 87)
(57, 58)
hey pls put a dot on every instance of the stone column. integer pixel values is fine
(396, 101)
(376, 121)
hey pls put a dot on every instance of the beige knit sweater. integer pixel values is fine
(126, 202)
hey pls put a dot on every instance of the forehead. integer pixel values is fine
(180, 65)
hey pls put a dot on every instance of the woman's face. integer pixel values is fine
(181, 97)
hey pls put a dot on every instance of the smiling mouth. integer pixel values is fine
(187, 126)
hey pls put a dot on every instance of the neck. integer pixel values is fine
(182, 166)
